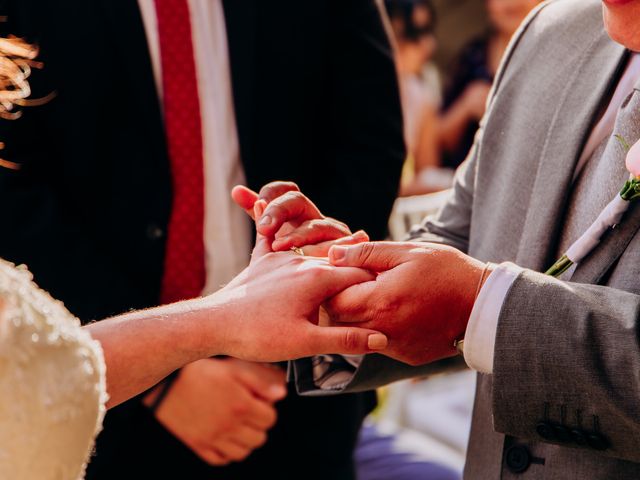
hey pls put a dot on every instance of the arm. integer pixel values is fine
(427, 154)
(469, 107)
(581, 364)
(253, 318)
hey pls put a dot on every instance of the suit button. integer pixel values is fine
(579, 437)
(597, 441)
(154, 232)
(518, 459)
(546, 431)
(563, 434)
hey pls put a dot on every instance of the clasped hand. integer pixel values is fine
(420, 295)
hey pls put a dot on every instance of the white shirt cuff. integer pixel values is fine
(480, 339)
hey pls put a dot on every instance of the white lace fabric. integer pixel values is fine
(52, 384)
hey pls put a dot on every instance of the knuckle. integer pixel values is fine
(213, 460)
(271, 418)
(338, 225)
(261, 439)
(293, 196)
(240, 454)
(350, 339)
(240, 408)
(365, 252)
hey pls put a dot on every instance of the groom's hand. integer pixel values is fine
(421, 298)
(290, 219)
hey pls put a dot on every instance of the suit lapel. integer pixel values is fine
(610, 249)
(129, 40)
(591, 78)
(135, 82)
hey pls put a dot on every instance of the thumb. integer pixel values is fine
(344, 340)
(372, 256)
(245, 198)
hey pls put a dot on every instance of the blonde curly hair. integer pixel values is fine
(17, 58)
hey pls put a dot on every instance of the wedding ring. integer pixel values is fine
(297, 251)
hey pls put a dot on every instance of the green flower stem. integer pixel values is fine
(561, 266)
(630, 192)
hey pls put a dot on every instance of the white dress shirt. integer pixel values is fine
(481, 333)
(227, 233)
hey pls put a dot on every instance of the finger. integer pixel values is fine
(261, 415)
(373, 256)
(292, 206)
(245, 198)
(262, 248)
(248, 437)
(232, 450)
(322, 249)
(343, 340)
(273, 190)
(211, 456)
(258, 208)
(339, 279)
(267, 383)
(312, 232)
(352, 304)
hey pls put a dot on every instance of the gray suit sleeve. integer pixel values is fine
(568, 355)
(450, 226)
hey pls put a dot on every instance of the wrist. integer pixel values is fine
(205, 326)
(480, 276)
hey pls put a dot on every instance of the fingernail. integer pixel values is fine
(266, 220)
(377, 341)
(277, 391)
(338, 254)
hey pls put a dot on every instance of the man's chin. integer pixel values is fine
(622, 22)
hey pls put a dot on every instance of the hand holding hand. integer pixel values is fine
(290, 219)
(274, 308)
(421, 299)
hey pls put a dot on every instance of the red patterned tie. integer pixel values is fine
(184, 272)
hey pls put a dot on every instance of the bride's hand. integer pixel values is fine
(292, 220)
(273, 309)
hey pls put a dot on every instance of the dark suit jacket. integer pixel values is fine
(316, 101)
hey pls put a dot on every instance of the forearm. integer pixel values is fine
(453, 124)
(142, 348)
(427, 154)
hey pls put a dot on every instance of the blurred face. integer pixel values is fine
(622, 21)
(416, 51)
(507, 15)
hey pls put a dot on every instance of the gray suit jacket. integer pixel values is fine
(567, 355)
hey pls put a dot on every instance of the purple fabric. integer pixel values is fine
(376, 458)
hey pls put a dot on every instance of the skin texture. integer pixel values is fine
(622, 21)
(255, 318)
(222, 409)
(421, 295)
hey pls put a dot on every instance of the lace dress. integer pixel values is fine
(52, 384)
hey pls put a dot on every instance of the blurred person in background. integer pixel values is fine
(122, 186)
(413, 23)
(466, 97)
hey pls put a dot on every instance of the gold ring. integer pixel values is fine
(297, 251)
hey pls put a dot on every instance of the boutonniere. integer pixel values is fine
(609, 217)
(17, 59)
